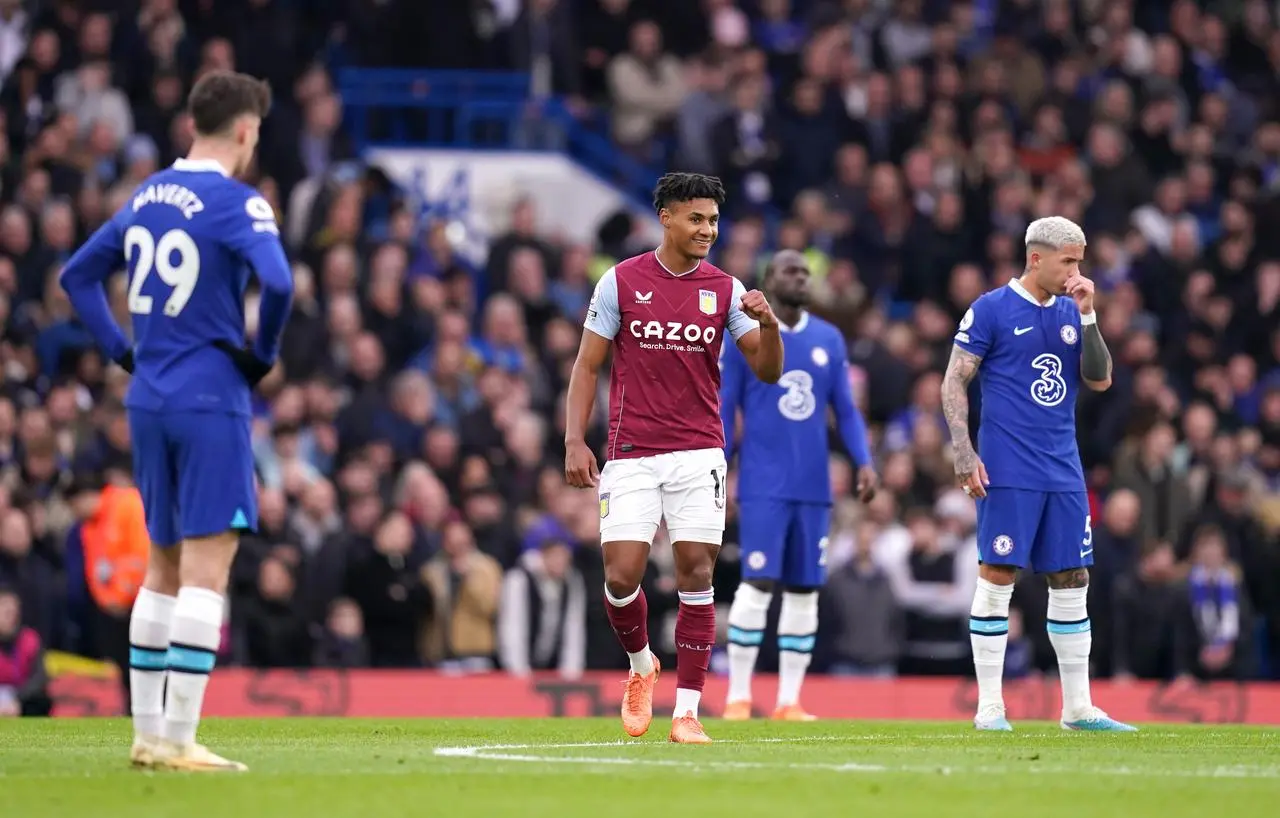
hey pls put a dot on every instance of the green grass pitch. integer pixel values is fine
(585, 768)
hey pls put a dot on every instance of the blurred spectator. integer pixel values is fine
(701, 110)
(542, 44)
(746, 144)
(1218, 607)
(932, 583)
(465, 586)
(861, 615)
(1150, 608)
(604, 30)
(1117, 547)
(1146, 468)
(23, 681)
(31, 575)
(110, 546)
(542, 613)
(343, 643)
(270, 623)
(647, 87)
(384, 580)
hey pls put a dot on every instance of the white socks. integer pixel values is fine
(148, 660)
(193, 645)
(989, 636)
(797, 629)
(797, 632)
(687, 701)
(1071, 635)
(747, 617)
(641, 662)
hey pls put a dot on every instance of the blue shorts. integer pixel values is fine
(195, 473)
(1049, 530)
(784, 541)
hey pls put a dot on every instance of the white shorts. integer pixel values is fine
(687, 489)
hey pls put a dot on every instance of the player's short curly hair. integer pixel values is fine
(684, 187)
(1055, 232)
(219, 97)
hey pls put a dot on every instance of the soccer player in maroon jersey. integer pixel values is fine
(666, 314)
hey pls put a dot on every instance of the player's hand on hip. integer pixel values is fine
(580, 467)
(253, 368)
(756, 306)
(972, 475)
(868, 481)
(1081, 291)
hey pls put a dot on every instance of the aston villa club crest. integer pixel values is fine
(707, 302)
(604, 505)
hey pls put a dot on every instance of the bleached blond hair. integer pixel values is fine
(1055, 232)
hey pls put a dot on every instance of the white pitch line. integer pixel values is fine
(494, 752)
(476, 750)
(504, 752)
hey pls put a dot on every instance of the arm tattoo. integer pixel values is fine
(955, 406)
(1095, 360)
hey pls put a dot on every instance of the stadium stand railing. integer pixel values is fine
(412, 108)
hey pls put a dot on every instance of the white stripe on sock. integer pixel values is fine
(197, 622)
(748, 614)
(797, 618)
(149, 625)
(1071, 605)
(990, 600)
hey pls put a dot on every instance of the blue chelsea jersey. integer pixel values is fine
(1029, 379)
(784, 450)
(190, 237)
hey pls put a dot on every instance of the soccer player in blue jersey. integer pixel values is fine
(1031, 344)
(189, 238)
(784, 485)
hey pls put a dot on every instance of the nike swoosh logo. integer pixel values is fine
(1084, 554)
(1022, 330)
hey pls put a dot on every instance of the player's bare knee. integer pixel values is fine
(163, 576)
(800, 590)
(694, 578)
(624, 566)
(998, 574)
(206, 561)
(763, 585)
(622, 578)
(1072, 578)
(622, 584)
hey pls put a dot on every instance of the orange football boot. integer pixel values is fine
(793, 712)
(637, 701)
(737, 711)
(688, 730)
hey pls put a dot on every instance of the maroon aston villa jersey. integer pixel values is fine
(664, 393)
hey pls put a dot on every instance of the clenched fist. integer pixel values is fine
(756, 306)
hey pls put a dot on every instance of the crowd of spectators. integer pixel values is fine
(413, 507)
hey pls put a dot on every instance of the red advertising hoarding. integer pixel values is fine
(385, 694)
